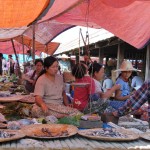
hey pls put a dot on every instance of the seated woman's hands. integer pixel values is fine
(44, 108)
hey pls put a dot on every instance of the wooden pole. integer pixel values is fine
(101, 55)
(120, 57)
(147, 68)
(19, 72)
(33, 43)
(23, 54)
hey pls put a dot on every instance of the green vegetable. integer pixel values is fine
(73, 120)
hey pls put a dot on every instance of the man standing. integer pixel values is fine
(11, 65)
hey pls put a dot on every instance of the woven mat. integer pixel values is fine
(129, 135)
(35, 130)
(145, 136)
(17, 135)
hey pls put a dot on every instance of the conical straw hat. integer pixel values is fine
(126, 66)
(64, 56)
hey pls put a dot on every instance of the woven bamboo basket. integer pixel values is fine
(129, 135)
(35, 130)
(17, 134)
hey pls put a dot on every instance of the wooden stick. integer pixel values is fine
(19, 72)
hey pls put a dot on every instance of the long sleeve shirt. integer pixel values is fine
(135, 101)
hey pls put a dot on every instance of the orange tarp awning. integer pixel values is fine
(7, 48)
(126, 19)
(50, 48)
(17, 13)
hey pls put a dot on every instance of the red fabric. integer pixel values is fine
(127, 19)
(59, 7)
(117, 3)
(130, 23)
(81, 94)
(7, 48)
(46, 31)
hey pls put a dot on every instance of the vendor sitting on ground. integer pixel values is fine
(133, 103)
(50, 93)
(31, 76)
(88, 96)
(124, 92)
(96, 70)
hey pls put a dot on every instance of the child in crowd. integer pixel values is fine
(124, 92)
(82, 93)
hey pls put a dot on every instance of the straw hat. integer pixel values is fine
(59, 56)
(126, 66)
(64, 56)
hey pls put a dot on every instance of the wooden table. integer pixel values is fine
(73, 143)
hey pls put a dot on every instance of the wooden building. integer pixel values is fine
(115, 48)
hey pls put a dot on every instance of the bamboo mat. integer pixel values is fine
(75, 143)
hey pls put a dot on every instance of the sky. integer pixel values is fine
(70, 39)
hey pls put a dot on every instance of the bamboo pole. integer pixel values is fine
(23, 54)
(19, 72)
(33, 43)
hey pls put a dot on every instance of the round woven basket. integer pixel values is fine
(35, 130)
(130, 135)
(3, 126)
(145, 136)
(17, 134)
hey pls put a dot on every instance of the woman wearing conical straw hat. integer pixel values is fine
(124, 93)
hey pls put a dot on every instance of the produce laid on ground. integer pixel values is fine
(16, 120)
(49, 130)
(145, 136)
(131, 122)
(9, 135)
(109, 134)
(10, 83)
(45, 132)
